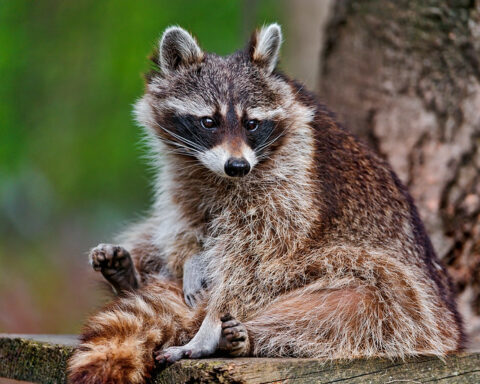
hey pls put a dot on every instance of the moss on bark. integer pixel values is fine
(40, 361)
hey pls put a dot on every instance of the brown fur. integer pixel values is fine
(117, 343)
(319, 251)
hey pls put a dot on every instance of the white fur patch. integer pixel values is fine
(249, 155)
(208, 336)
(143, 113)
(215, 158)
(189, 106)
(260, 113)
(223, 110)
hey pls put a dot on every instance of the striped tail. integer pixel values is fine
(117, 343)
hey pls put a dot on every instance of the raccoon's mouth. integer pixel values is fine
(221, 161)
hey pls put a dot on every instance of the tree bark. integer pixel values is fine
(405, 76)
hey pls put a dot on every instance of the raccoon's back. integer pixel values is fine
(363, 202)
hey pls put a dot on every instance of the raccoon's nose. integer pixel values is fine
(237, 167)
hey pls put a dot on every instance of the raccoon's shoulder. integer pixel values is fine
(353, 180)
(325, 120)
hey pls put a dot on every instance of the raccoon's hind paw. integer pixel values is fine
(172, 354)
(234, 339)
(116, 265)
(188, 351)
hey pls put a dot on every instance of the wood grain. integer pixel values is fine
(43, 358)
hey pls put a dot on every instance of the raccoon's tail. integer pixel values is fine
(117, 343)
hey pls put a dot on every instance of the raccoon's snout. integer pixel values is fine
(235, 167)
(229, 162)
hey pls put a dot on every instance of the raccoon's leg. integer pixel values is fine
(117, 344)
(116, 265)
(224, 334)
(327, 323)
(389, 319)
(203, 344)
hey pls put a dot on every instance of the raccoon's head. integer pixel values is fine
(228, 113)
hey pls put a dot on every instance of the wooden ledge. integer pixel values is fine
(43, 358)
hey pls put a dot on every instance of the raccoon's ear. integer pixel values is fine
(178, 48)
(265, 45)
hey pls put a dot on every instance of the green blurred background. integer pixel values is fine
(71, 168)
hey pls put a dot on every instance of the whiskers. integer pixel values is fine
(262, 151)
(182, 145)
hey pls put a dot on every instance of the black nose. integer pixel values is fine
(237, 167)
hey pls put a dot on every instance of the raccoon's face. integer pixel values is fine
(225, 112)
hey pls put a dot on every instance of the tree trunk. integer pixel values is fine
(405, 76)
(305, 27)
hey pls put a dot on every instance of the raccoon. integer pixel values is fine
(275, 232)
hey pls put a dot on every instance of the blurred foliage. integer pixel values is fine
(71, 168)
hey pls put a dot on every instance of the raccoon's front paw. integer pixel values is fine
(234, 339)
(194, 293)
(195, 284)
(116, 265)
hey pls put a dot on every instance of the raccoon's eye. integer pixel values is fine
(251, 125)
(208, 123)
